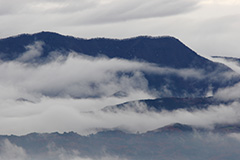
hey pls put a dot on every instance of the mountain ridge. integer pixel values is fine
(165, 52)
(169, 104)
(168, 142)
(70, 43)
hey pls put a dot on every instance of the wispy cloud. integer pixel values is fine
(33, 51)
(124, 10)
(230, 93)
(100, 11)
(11, 151)
(230, 63)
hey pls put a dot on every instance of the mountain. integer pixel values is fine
(175, 141)
(180, 78)
(164, 51)
(169, 104)
(167, 53)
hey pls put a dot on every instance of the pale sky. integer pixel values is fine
(209, 27)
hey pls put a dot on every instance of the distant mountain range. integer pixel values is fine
(169, 142)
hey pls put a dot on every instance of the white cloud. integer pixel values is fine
(11, 151)
(231, 64)
(68, 76)
(33, 51)
(235, 136)
(143, 120)
(84, 116)
(230, 93)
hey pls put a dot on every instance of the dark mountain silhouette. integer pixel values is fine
(162, 51)
(170, 104)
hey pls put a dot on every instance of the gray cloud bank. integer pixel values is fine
(102, 11)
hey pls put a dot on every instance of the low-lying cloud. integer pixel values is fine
(229, 93)
(77, 75)
(142, 119)
(67, 93)
(10, 151)
(234, 65)
(85, 116)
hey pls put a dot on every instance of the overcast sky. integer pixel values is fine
(210, 27)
